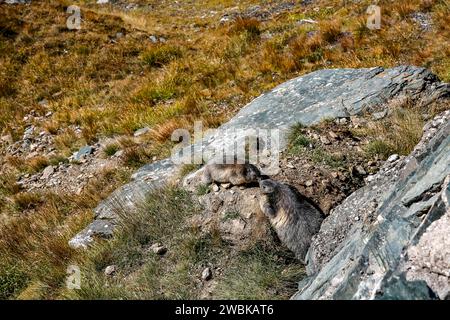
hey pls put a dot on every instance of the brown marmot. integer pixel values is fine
(293, 217)
(236, 174)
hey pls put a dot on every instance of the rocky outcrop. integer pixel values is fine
(234, 213)
(390, 239)
(338, 93)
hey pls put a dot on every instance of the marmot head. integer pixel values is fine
(252, 173)
(267, 186)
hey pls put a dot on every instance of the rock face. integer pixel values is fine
(338, 93)
(390, 239)
(235, 214)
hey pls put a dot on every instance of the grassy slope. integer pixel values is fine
(112, 86)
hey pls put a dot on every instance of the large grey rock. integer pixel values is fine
(335, 93)
(399, 248)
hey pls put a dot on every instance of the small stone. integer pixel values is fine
(290, 165)
(379, 115)
(207, 274)
(48, 171)
(334, 174)
(361, 170)
(226, 185)
(43, 102)
(110, 270)
(325, 140)
(370, 178)
(153, 39)
(333, 135)
(141, 131)
(7, 138)
(309, 183)
(79, 190)
(83, 152)
(158, 248)
(305, 21)
(215, 188)
(393, 158)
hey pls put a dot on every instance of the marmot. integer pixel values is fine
(236, 174)
(294, 219)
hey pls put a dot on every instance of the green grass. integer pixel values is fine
(172, 276)
(259, 274)
(297, 141)
(202, 189)
(319, 155)
(299, 145)
(12, 280)
(111, 149)
(188, 168)
(160, 55)
(380, 148)
(264, 271)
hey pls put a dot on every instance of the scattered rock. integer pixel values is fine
(393, 158)
(325, 140)
(7, 139)
(83, 153)
(110, 270)
(48, 171)
(360, 170)
(17, 1)
(380, 115)
(309, 183)
(306, 21)
(424, 20)
(333, 135)
(43, 102)
(207, 274)
(141, 131)
(158, 248)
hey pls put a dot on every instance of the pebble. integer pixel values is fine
(141, 131)
(48, 171)
(110, 270)
(325, 140)
(361, 170)
(158, 248)
(393, 158)
(333, 135)
(207, 274)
